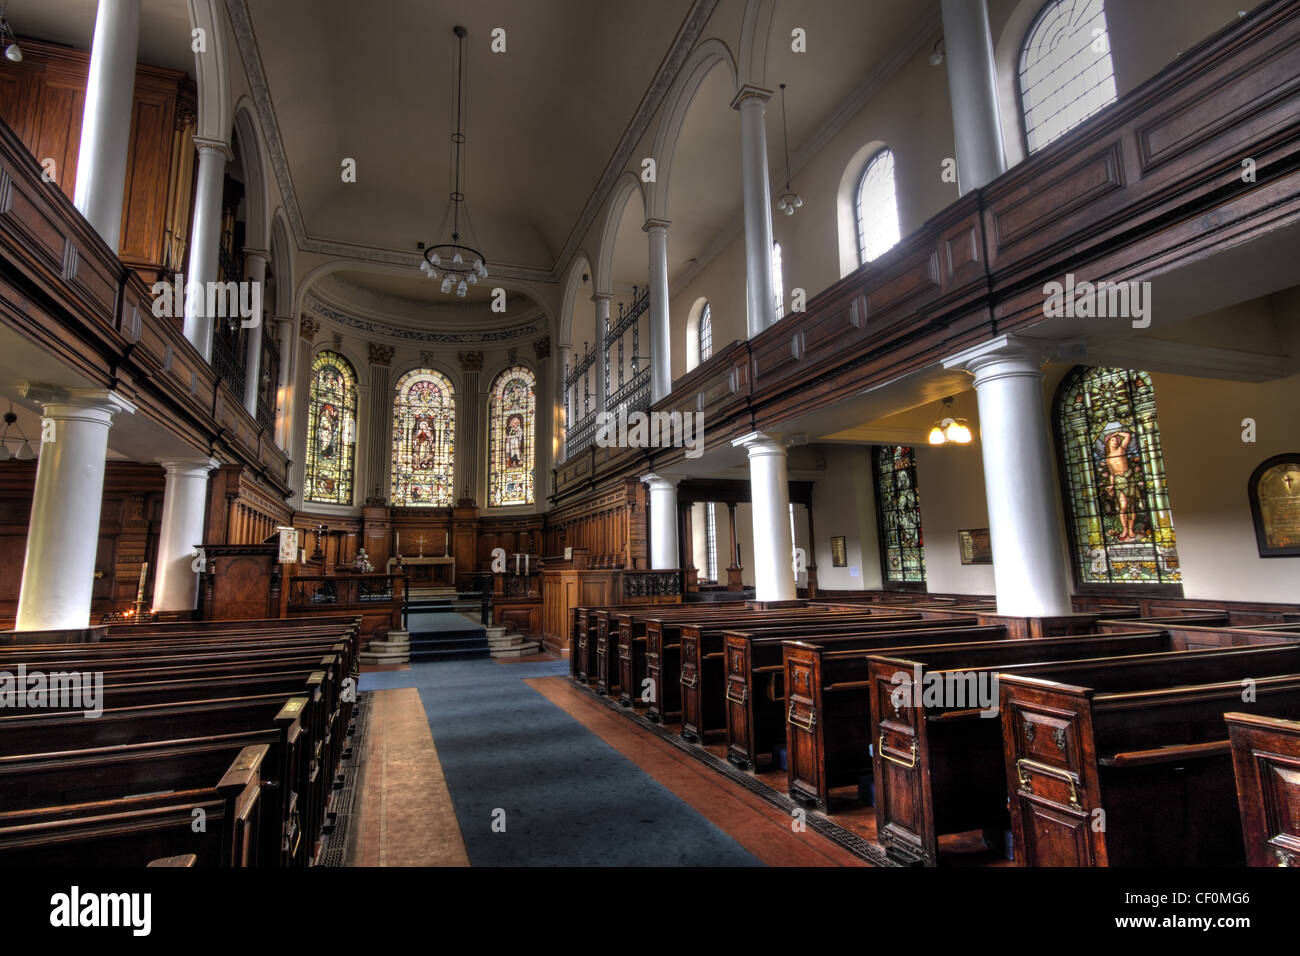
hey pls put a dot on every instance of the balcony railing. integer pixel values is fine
(341, 589)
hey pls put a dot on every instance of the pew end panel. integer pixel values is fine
(1266, 768)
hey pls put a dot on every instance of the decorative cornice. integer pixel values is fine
(368, 328)
(381, 354)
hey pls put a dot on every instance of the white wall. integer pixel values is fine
(844, 504)
(950, 479)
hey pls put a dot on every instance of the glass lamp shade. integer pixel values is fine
(424, 266)
(472, 279)
(5, 454)
(446, 284)
(462, 288)
(937, 436)
(13, 53)
(456, 260)
(957, 432)
(435, 260)
(25, 453)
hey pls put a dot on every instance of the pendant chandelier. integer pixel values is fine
(789, 200)
(456, 263)
(949, 430)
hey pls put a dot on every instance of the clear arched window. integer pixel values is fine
(877, 208)
(1065, 69)
(331, 431)
(511, 408)
(1116, 498)
(706, 333)
(778, 281)
(424, 440)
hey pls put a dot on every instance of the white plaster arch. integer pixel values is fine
(1006, 62)
(282, 262)
(624, 186)
(702, 61)
(755, 32)
(580, 266)
(252, 157)
(212, 70)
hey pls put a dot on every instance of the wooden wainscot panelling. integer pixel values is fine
(1038, 205)
(241, 510)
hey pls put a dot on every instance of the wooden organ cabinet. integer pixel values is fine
(42, 98)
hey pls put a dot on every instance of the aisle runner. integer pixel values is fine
(563, 796)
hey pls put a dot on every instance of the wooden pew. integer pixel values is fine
(664, 649)
(135, 830)
(1126, 761)
(607, 652)
(831, 700)
(1266, 766)
(754, 680)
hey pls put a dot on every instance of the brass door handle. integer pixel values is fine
(1026, 782)
(802, 725)
(881, 748)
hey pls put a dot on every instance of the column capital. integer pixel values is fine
(542, 347)
(1002, 356)
(214, 146)
(471, 361)
(91, 404)
(599, 297)
(381, 354)
(652, 224)
(760, 443)
(659, 482)
(308, 328)
(263, 254)
(749, 91)
(282, 320)
(188, 467)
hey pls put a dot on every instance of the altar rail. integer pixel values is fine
(1149, 184)
(344, 590)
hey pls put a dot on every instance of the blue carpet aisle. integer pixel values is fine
(569, 798)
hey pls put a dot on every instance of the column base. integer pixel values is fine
(735, 579)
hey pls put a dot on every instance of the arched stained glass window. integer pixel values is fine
(1117, 502)
(706, 333)
(424, 440)
(778, 281)
(1065, 69)
(511, 408)
(898, 507)
(331, 431)
(877, 208)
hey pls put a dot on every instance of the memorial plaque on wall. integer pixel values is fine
(975, 546)
(839, 553)
(1274, 491)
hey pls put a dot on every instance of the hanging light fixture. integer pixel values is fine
(7, 38)
(456, 263)
(948, 430)
(24, 452)
(789, 200)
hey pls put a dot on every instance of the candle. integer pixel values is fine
(398, 546)
(446, 542)
(144, 571)
(516, 563)
(527, 559)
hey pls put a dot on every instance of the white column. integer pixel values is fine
(106, 118)
(602, 354)
(759, 296)
(973, 92)
(663, 522)
(1024, 527)
(62, 535)
(661, 357)
(283, 389)
(769, 490)
(700, 537)
(255, 272)
(205, 239)
(185, 504)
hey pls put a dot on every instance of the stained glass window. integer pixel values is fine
(898, 506)
(1116, 496)
(877, 208)
(424, 439)
(331, 425)
(1065, 69)
(706, 333)
(711, 539)
(511, 406)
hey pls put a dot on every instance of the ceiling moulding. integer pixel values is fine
(371, 329)
(242, 25)
(326, 294)
(926, 28)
